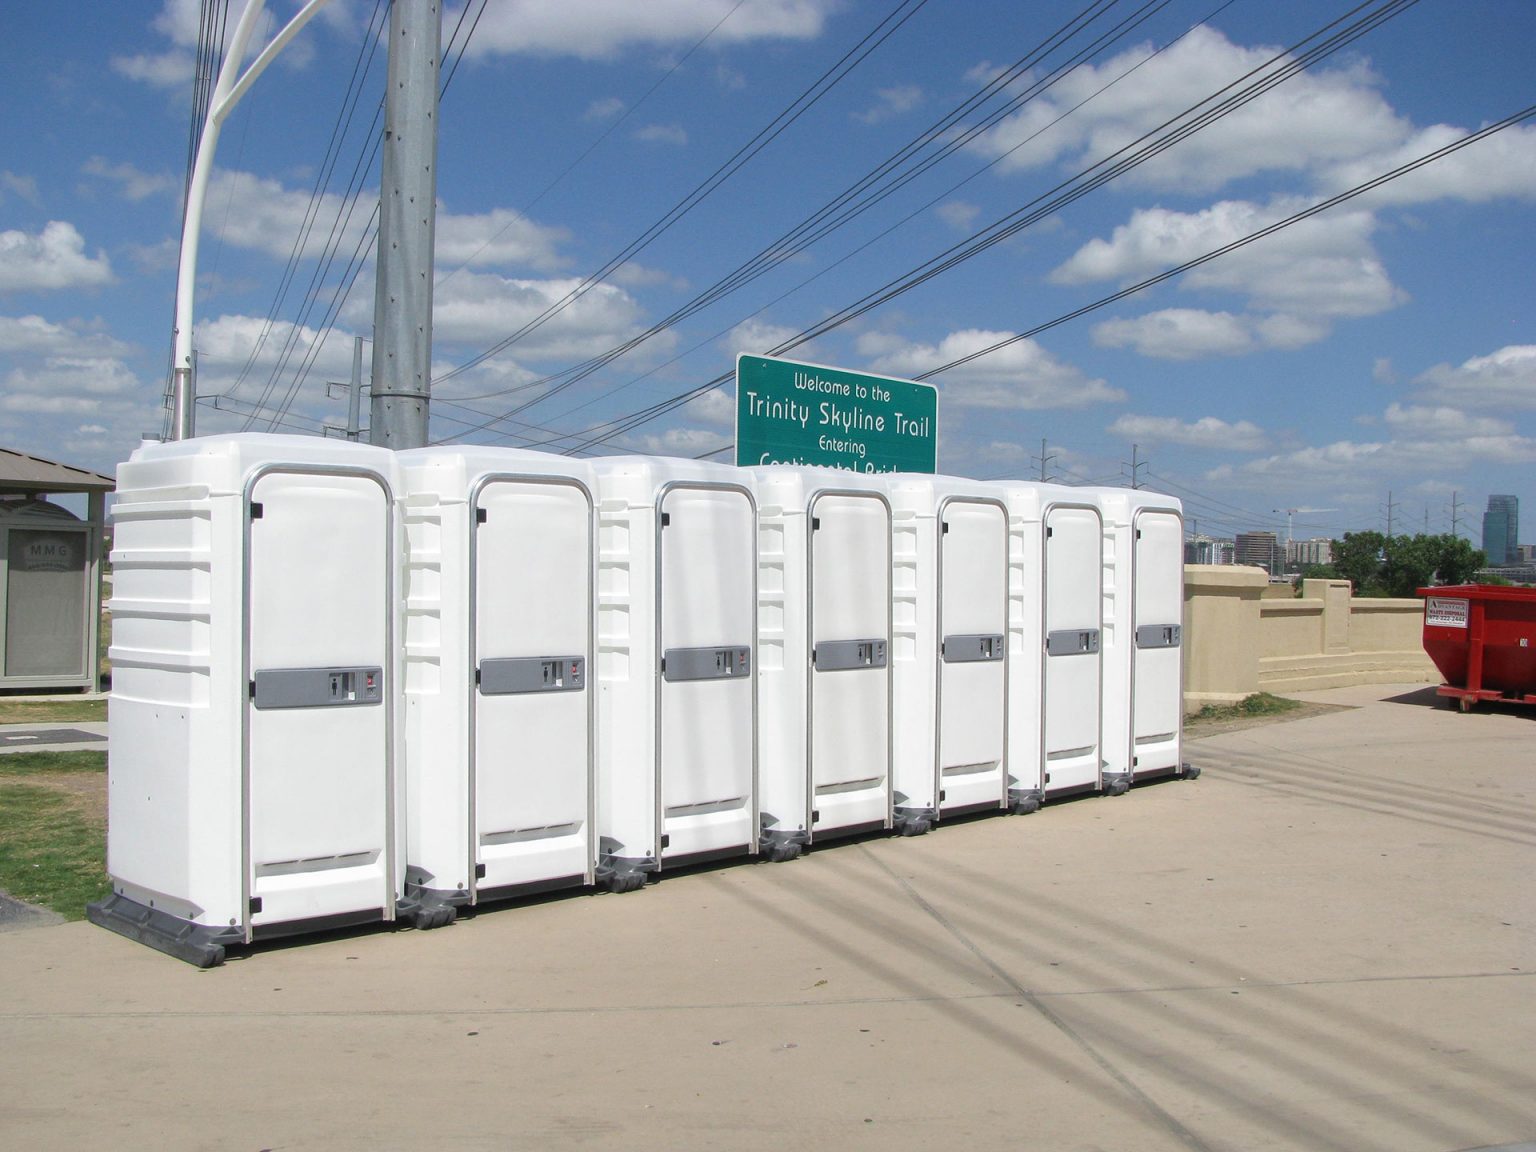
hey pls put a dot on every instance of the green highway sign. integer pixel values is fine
(791, 413)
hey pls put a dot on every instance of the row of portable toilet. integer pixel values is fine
(352, 685)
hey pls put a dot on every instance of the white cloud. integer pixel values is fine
(1323, 266)
(132, 183)
(1426, 422)
(263, 215)
(716, 407)
(1501, 165)
(1022, 375)
(1349, 466)
(756, 338)
(479, 309)
(958, 214)
(1179, 334)
(500, 238)
(1193, 334)
(1004, 452)
(53, 258)
(890, 103)
(1297, 280)
(604, 109)
(227, 343)
(601, 29)
(677, 442)
(17, 185)
(179, 21)
(67, 384)
(673, 134)
(1206, 432)
(171, 69)
(23, 336)
(1315, 118)
(161, 257)
(1502, 379)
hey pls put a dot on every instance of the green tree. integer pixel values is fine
(1459, 560)
(1358, 559)
(1411, 562)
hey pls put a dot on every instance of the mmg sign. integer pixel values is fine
(791, 413)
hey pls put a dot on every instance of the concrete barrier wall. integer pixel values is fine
(1241, 637)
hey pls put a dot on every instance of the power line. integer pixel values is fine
(837, 213)
(592, 147)
(828, 80)
(1183, 125)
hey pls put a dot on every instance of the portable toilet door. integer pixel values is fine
(1071, 672)
(849, 697)
(706, 698)
(531, 730)
(319, 788)
(972, 680)
(1157, 667)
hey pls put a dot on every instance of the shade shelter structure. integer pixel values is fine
(50, 573)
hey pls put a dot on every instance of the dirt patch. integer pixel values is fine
(87, 792)
(1198, 729)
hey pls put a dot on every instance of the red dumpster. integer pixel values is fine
(1482, 637)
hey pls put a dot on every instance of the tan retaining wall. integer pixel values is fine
(1241, 638)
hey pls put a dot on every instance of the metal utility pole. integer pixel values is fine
(1455, 514)
(1136, 466)
(354, 389)
(402, 302)
(1044, 462)
(1390, 507)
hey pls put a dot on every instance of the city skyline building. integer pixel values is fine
(1259, 549)
(1501, 529)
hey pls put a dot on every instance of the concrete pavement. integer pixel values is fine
(1325, 942)
(54, 736)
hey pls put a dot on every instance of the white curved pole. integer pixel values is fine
(226, 94)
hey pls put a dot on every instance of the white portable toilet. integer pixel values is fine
(1071, 613)
(498, 639)
(676, 668)
(252, 785)
(824, 670)
(1024, 761)
(1143, 635)
(949, 562)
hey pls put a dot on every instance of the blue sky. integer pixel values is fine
(1386, 345)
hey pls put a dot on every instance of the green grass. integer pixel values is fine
(52, 849)
(1259, 704)
(43, 711)
(51, 763)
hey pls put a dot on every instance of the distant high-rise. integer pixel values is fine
(1260, 549)
(1501, 529)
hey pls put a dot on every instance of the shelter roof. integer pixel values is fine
(20, 472)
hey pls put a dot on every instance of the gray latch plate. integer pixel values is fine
(973, 649)
(1159, 636)
(1072, 642)
(840, 655)
(515, 675)
(318, 687)
(706, 663)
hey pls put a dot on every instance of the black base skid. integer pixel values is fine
(778, 845)
(200, 945)
(1023, 801)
